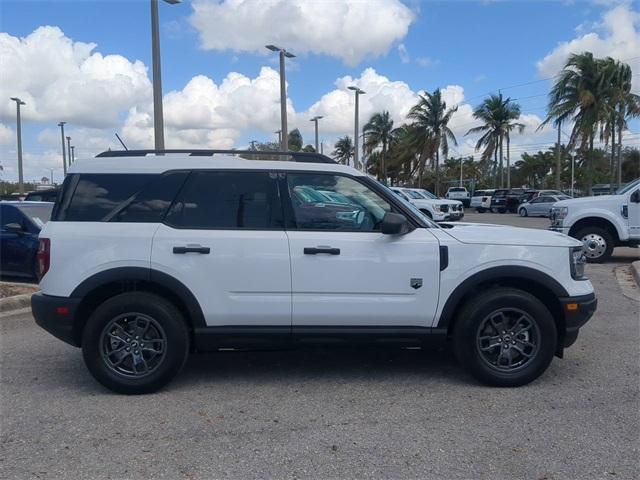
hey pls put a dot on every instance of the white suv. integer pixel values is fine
(435, 208)
(150, 257)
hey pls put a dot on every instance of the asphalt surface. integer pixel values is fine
(331, 414)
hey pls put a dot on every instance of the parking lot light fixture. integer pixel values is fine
(19, 135)
(158, 116)
(356, 134)
(64, 153)
(315, 120)
(284, 139)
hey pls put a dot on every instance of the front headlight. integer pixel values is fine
(561, 212)
(578, 261)
(436, 208)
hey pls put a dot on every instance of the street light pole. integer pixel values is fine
(73, 153)
(51, 177)
(284, 140)
(315, 120)
(158, 116)
(19, 133)
(69, 149)
(279, 132)
(356, 134)
(64, 153)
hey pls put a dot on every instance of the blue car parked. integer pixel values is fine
(20, 226)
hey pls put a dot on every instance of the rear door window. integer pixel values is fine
(228, 200)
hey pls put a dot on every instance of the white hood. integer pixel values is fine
(503, 235)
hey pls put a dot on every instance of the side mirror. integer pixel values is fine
(13, 228)
(394, 224)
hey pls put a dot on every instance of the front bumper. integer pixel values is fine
(56, 315)
(577, 311)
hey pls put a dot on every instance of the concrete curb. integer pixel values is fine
(15, 303)
(635, 269)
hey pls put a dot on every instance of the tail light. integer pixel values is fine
(43, 257)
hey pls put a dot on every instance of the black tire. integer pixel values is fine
(168, 321)
(597, 243)
(502, 210)
(480, 210)
(523, 212)
(467, 332)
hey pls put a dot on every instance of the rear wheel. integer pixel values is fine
(523, 212)
(427, 213)
(597, 244)
(505, 337)
(480, 210)
(135, 343)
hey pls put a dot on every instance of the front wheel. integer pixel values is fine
(427, 213)
(135, 343)
(480, 210)
(597, 244)
(505, 337)
(523, 212)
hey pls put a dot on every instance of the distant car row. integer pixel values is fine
(435, 208)
(516, 200)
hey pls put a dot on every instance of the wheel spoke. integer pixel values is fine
(492, 343)
(521, 351)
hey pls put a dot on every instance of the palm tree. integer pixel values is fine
(295, 140)
(343, 150)
(623, 104)
(581, 95)
(430, 120)
(498, 116)
(378, 132)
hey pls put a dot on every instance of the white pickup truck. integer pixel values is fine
(458, 193)
(601, 222)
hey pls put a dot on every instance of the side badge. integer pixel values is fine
(416, 283)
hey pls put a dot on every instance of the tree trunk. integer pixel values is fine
(495, 167)
(501, 164)
(619, 163)
(590, 164)
(508, 161)
(420, 168)
(612, 168)
(437, 192)
(383, 159)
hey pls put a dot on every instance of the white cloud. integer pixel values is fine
(427, 62)
(62, 79)
(617, 36)
(404, 54)
(350, 30)
(7, 135)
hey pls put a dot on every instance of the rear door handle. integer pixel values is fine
(192, 249)
(317, 250)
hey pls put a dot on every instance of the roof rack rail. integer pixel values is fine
(304, 157)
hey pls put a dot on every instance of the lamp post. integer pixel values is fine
(284, 140)
(51, 177)
(69, 149)
(73, 154)
(158, 117)
(64, 153)
(315, 120)
(279, 133)
(19, 134)
(356, 135)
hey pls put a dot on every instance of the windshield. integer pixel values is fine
(628, 187)
(427, 194)
(457, 189)
(413, 194)
(39, 214)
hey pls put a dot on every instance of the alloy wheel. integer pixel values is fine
(508, 339)
(133, 345)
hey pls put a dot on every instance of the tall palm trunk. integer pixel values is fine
(612, 163)
(383, 159)
(421, 161)
(501, 164)
(508, 161)
(495, 168)
(437, 172)
(590, 163)
(619, 162)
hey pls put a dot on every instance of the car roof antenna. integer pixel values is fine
(121, 142)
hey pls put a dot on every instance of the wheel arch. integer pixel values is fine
(592, 221)
(539, 284)
(106, 284)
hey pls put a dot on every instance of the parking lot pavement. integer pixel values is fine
(327, 413)
(620, 254)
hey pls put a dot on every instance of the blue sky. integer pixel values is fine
(479, 47)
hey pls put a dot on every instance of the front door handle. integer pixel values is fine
(317, 250)
(192, 249)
